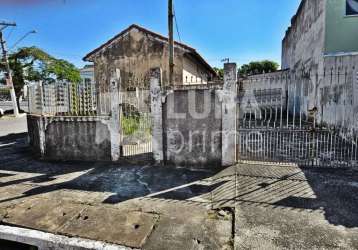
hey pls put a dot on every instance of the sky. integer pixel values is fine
(241, 30)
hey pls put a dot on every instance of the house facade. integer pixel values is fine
(136, 50)
(319, 62)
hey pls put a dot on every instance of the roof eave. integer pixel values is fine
(89, 56)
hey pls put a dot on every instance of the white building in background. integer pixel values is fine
(87, 74)
(88, 85)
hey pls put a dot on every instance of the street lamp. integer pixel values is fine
(22, 38)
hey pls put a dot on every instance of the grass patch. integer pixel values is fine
(136, 125)
(130, 125)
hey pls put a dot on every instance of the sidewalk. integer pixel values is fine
(148, 207)
(141, 207)
(292, 208)
(11, 125)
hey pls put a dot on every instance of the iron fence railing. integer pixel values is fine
(286, 126)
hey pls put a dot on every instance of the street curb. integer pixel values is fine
(46, 241)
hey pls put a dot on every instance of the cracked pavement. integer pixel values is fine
(148, 207)
(141, 207)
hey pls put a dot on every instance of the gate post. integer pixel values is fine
(229, 115)
(157, 114)
(114, 124)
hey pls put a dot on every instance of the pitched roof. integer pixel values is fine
(191, 50)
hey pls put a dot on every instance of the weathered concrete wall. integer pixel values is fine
(303, 51)
(157, 115)
(312, 81)
(324, 83)
(338, 92)
(134, 54)
(332, 92)
(71, 138)
(293, 90)
(229, 115)
(265, 90)
(303, 44)
(301, 92)
(192, 125)
(34, 125)
(78, 141)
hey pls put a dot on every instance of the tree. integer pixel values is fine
(219, 72)
(258, 67)
(33, 64)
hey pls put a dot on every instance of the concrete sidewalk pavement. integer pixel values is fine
(247, 206)
(140, 207)
(282, 207)
(12, 125)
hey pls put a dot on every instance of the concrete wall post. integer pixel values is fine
(229, 115)
(42, 100)
(114, 124)
(42, 136)
(157, 114)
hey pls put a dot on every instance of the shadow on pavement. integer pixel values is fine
(334, 192)
(123, 180)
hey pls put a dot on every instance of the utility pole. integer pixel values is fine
(9, 81)
(171, 42)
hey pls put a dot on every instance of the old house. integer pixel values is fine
(319, 63)
(136, 50)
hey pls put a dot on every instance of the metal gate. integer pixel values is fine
(273, 126)
(135, 121)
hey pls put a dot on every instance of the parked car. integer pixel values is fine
(1, 112)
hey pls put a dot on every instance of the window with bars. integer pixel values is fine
(352, 7)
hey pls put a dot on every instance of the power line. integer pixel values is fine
(22, 38)
(10, 33)
(176, 24)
